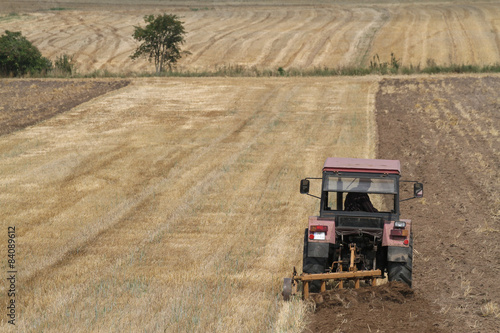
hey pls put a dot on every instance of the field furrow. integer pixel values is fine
(446, 129)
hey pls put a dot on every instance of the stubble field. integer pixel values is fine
(266, 35)
(172, 204)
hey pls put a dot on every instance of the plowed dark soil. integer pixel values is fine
(392, 307)
(445, 132)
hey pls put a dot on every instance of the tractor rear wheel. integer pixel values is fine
(402, 271)
(312, 265)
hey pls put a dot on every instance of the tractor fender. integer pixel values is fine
(318, 250)
(398, 253)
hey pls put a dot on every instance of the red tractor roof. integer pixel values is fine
(362, 165)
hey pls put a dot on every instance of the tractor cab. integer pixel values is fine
(360, 187)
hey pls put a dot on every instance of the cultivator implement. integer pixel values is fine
(290, 285)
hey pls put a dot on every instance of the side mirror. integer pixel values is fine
(304, 186)
(418, 190)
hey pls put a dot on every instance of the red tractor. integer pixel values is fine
(358, 234)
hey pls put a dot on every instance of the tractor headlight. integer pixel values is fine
(400, 224)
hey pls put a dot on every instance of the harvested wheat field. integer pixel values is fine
(266, 35)
(173, 205)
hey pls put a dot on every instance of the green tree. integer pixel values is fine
(161, 40)
(18, 56)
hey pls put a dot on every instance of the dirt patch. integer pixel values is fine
(393, 307)
(27, 102)
(445, 131)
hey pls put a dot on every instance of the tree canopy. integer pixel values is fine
(161, 40)
(18, 56)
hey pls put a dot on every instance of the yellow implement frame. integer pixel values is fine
(356, 276)
(290, 284)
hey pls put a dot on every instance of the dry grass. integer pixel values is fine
(172, 204)
(490, 309)
(487, 228)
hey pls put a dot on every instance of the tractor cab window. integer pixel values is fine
(361, 184)
(368, 194)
